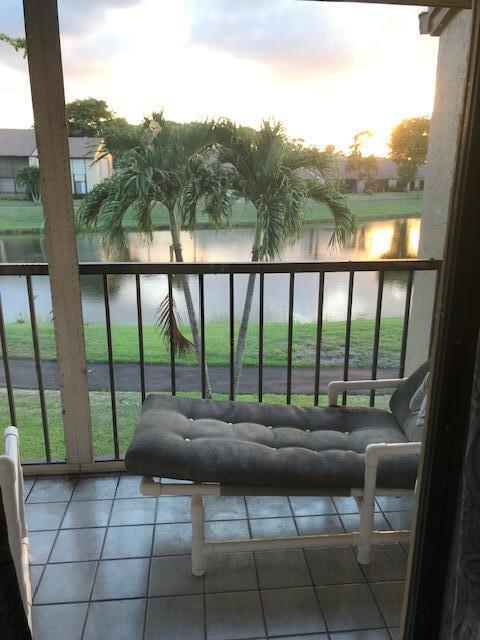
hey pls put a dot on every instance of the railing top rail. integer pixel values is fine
(212, 268)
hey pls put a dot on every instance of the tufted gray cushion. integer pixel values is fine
(400, 403)
(250, 444)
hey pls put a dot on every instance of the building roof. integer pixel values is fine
(83, 147)
(17, 142)
(21, 143)
(80, 147)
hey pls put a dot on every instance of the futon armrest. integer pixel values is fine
(338, 386)
(375, 452)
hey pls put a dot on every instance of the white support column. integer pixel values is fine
(46, 80)
(198, 535)
(441, 159)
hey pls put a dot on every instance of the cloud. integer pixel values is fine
(79, 17)
(75, 18)
(299, 38)
(291, 37)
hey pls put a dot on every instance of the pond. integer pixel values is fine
(395, 238)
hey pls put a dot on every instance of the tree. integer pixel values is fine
(29, 179)
(408, 147)
(118, 137)
(279, 177)
(365, 167)
(169, 164)
(19, 44)
(88, 117)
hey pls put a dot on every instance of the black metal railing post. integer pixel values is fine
(6, 367)
(291, 294)
(376, 336)
(231, 293)
(111, 373)
(173, 373)
(406, 322)
(261, 310)
(38, 368)
(141, 353)
(318, 346)
(348, 333)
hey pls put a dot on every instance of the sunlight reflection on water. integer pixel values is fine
(374, 241)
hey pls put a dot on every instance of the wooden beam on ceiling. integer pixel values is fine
(449, 4)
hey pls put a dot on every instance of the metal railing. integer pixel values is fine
(170, 270)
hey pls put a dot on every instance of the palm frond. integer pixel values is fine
(295, 192)
(271, 219)
(168, 321)
(210, 182)
(339, 207)
(142, 211)
(110, 225)
(119, 138)
(88, 212)
(310, 158)
(103, 210)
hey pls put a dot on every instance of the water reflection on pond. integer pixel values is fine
(376, 240)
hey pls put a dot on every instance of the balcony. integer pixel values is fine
(109, 563)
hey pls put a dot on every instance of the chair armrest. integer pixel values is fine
(337, 386)
(374, 453)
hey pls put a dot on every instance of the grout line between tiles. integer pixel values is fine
(305, 559)
(257, 576)
(98, 564)
(149, 569)
(53, 544)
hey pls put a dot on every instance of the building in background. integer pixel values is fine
(18, 148)
(386, 178)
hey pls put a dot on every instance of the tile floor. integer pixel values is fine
(108, 563)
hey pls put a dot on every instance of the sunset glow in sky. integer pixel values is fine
(326, 70)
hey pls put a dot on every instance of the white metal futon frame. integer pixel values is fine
(363, 539)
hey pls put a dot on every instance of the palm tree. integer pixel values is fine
(169, 163)
(29, 179)
(279, 177)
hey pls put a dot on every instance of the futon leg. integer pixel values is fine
(366, 507)
(198, 536)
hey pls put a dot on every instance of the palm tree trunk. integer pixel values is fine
(247, 308)
(177, 249)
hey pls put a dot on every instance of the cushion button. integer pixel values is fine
(187, 439)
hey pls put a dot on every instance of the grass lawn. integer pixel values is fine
(29, 420)
(21, 216)
(125, 343)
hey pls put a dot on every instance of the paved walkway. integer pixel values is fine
(157, 377)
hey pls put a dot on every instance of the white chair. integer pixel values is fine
(11, 483)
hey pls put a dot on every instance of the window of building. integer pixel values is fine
(79, 173)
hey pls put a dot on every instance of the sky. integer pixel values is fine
(326, 70)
